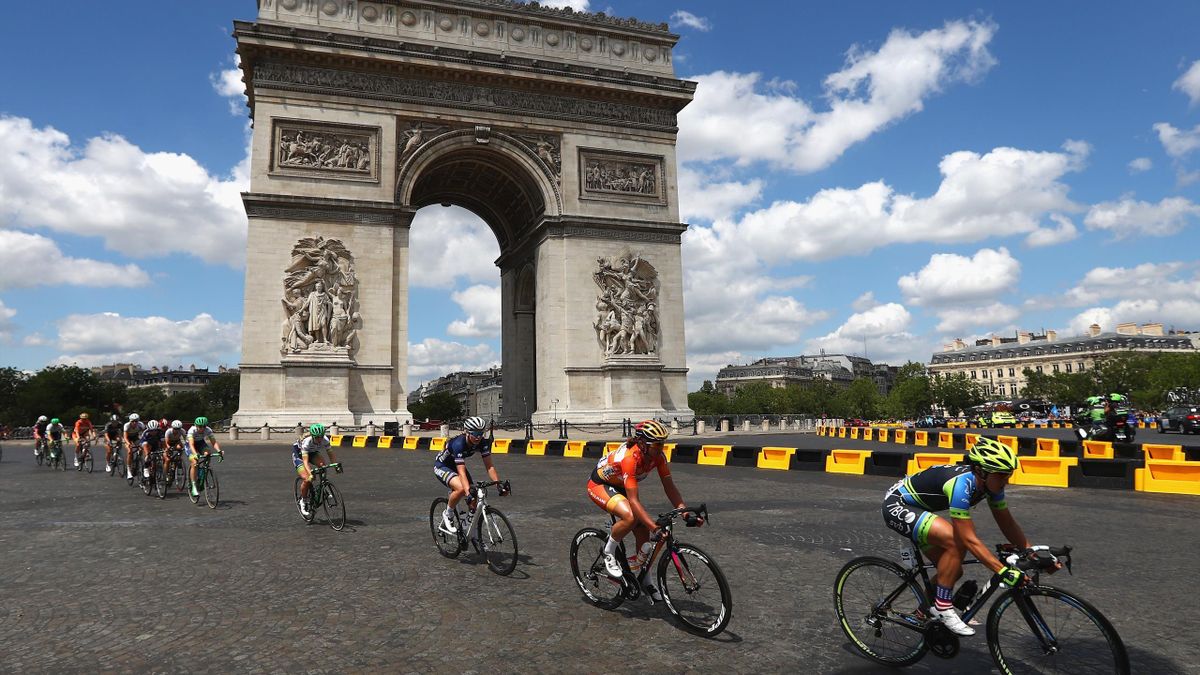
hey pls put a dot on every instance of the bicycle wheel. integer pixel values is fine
(87, 460)
(1085, 642)
(148, 483)
(134, 470)
(587, 564)
(39, 454)
(296, 492)
(62, 459)
(499, 543)
(446, 542)
(695, 590)
(212, 490)
(160, 481)
(890, 634)
(335, 508)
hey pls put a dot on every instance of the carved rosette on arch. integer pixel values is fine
(320, 300)
(627, 306)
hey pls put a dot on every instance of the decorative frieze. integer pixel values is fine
(627, 306)
(622, 177)
(320, 300)
(338, 151)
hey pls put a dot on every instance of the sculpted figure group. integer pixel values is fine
(320, 298)
(324, 151)
(627, 307)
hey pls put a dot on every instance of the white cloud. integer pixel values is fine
(1140, 164)
(880, 332)
(954, 279)
(96, 339)
(28, 260)
(433, 358)
(736, 116)
(685, 18)
(1045, 236)
(577, 5)
(35, 340)
(447, 244)
(1178, 142)
(1159, 280)
(112, 189)
(6, 323)
(481, 304)
(704, 196)
(1130, 217)
(706, 366)
(228, 83)
(1189, 83)
(1178, 313)
(864, 302)
(956, 320)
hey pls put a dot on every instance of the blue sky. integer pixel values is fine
(872, 177)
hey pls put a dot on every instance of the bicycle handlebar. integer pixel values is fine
(1028, 559)
(665, 519)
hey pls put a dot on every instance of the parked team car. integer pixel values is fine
(1182, 418)
(997, 419)
(930, 422)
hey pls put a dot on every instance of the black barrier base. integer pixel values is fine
(887, 464)
(556, 448)
(1111, 474)
(808, 460)
(742, 455)
(685, 454)
(594, 449)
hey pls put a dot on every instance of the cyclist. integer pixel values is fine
(112, 437)
(908, 508)
(150, 441)
(54, 432)
(614, 487)
(39, 433)
(83, 429)
(132, 431)
(450, 466)
(199, 438)
(307, 452)
(174, 439)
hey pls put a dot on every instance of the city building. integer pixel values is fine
(783, 371)
(170, 380)
(477, 391)
(999, 363)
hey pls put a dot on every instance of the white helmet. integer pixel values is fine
(152, 424)
(43, 418)
(133, 417)
(474, 424)
(176, 424)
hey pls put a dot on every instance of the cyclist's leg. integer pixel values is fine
(458, 489)
(612, 499)
(298, 462)
(944, 549)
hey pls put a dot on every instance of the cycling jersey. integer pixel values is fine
(55, 431)
(308, 446)
(950, 486)
(627, 466)
(39, 429)
(112, 430)
(201, 438)
(83, 428)
(458, 450)
(153, 437)
(173, 436)
(133, 430)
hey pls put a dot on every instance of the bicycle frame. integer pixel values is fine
(475, 519)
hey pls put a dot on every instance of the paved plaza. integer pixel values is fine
(99, 577)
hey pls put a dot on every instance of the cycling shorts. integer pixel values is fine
(911, 521)
(605, 495)
(112, 435)
(444, 474)
(298, 456)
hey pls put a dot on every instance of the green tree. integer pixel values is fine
(755, 398)
(708, 401)
(11, 383)
(861, 398)
(1122, 373)
(220, 396)
(437, 406)
(59, 391)
(957, 393)
(911, 394)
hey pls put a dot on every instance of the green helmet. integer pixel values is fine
(54, 421)
(992, 456)
(1095, 400)
(1117, 398)
(201, 421)
(317, 430)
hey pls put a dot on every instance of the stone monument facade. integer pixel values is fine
(556, 127)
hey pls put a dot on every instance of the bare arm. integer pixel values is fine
(964, 532)
(1008, 525)
(672, 492)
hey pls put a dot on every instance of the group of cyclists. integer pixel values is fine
(133, 437)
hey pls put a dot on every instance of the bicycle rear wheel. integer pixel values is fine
(587, 564)
(134, 469)
(148, 483)
(39, 454)
(87, 460)
(160, 481)
(212, 490)
(891, 633)
(62, 459)
(499, 542)
(695, 590)
(446, 542)
(335, 508)
(1084, 641)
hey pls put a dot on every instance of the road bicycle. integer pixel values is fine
(85, 455)
(152, 469)
(206, 480)
(135, 463)
(40, 448)
(485, 529)
(324, 494)
(175, 467)
(884, 610)
(691, 582)
(54, 457)
(115, 462)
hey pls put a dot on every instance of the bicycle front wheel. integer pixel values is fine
(160, 482)
(335, 508)
(695, 590)
(587, 564)
(888, 632)
(87, 461)
(212, 491)
(499, 542)
(446, 542)
(39, 454)
(1072, 636)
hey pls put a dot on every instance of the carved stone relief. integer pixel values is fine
(320, 300)
(334, 151)
(627, 306)
(546, 147)
(621, 177)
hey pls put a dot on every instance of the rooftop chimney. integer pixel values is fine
(1094, 329)
(1127, 328)
(959, 344)
(995, 340)
(1153, 329)
(1051, 335)
(1023, 337)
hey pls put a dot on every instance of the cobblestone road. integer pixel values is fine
(98, 577)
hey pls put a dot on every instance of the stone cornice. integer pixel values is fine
(284, 207)
(331, 82)
(372, 44)
(619, 229)
(566, 15)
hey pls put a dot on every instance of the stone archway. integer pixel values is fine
(557, 128)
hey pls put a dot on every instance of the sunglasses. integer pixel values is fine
(475, 434)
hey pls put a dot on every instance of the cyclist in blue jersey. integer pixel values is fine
(908, 508)
(450, 465)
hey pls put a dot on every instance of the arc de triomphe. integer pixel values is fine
(557, 128)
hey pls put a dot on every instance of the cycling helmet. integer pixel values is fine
(316, 430)
(1117, 398)
(152, 424)
(133, 417)
(83, 416)
(474, 424)
(202, 421)
(652, 431)
(43, 418)
(54, 421)
(992, 456)
(176, 424)
(112, 418)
